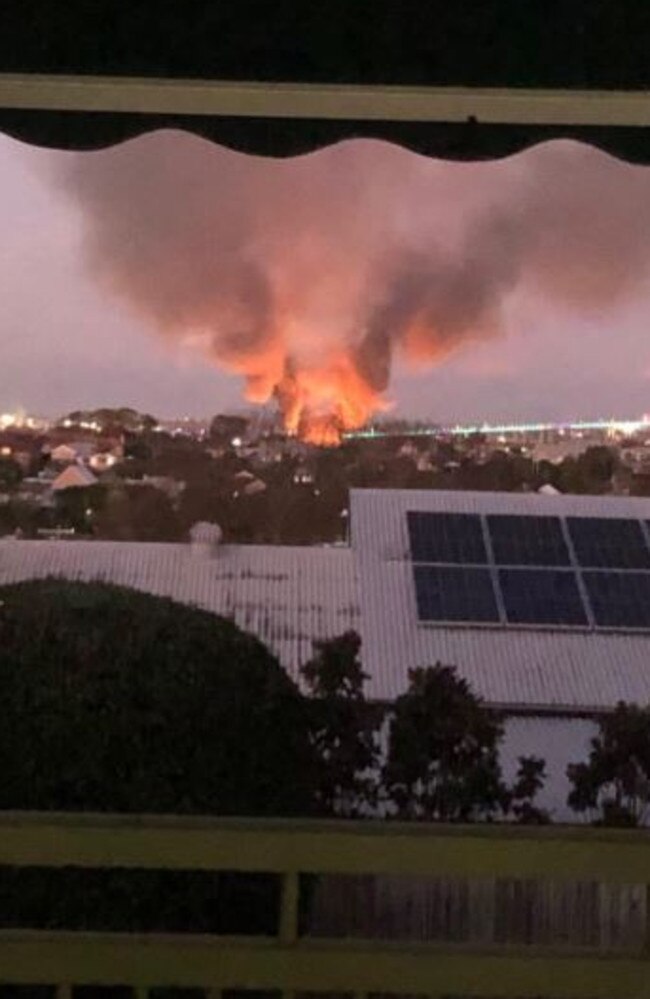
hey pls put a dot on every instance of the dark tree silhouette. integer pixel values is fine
(530, 778)
(613, 786)
(344, 727)
(11, 474)
(443, 755)
(119, 700)
(115, 700)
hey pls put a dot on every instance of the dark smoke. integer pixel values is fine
(276, 267)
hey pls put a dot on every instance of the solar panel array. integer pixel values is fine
(503, 569)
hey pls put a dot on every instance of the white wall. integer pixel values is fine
(559, 741)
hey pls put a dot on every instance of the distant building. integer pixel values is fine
(303, 476)
(74, 451)
(244, 476)
(63, 454)
(22, 446)
(102, 461)
(74, 477)
(425, 463)
(37, 491)
(254, 488)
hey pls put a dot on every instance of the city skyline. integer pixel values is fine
(68, 343)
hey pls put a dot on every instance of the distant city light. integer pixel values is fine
(465, 430)
(10, 420)
(20, 421)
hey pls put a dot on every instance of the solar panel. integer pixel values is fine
(541, 596)
(619, 599)
(538, 581)
(447, 593)
(446, 537)
(528, 540)
(608, 543)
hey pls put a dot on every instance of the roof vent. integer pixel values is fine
(205, 538)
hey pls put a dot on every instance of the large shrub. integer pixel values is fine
(118, 700)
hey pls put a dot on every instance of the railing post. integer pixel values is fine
(288, 931)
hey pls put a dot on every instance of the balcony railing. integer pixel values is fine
(291, 962)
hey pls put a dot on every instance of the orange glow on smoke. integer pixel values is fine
(419, 345)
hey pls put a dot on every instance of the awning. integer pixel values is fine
(457, 80)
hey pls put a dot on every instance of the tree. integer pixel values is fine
(530, 778)
(175, 709)
(344, 727)
(590, 472)
(224, 428)
(599, 463)
(137, 513)
(11, 474)
(136, 448)
(443, 754)
(121, 701)
(614, 785)
(77, 505)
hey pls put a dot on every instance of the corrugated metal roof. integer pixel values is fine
(516, 667)
(288, 596)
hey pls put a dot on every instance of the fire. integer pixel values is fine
(319, 402)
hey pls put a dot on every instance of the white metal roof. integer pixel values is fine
(509, 667)
(290, 596)
(287, 596)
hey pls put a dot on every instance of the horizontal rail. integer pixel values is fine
(512, 106)
(231, 963)
(284, 846)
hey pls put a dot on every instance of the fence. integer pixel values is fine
(298, 961)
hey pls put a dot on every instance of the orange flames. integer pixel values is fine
(318, 402)
(319, 399)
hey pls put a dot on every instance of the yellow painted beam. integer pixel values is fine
(510, 106)
(223, 963)
(184, 843)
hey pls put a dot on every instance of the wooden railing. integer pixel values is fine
(294, 963)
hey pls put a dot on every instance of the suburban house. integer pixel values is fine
(74, 477)
(542, 602)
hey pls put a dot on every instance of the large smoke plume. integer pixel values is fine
(310, 276)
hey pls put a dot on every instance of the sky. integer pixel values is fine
(70, 339)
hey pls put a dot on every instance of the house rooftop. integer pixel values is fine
(533, 668)
(288, 596)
